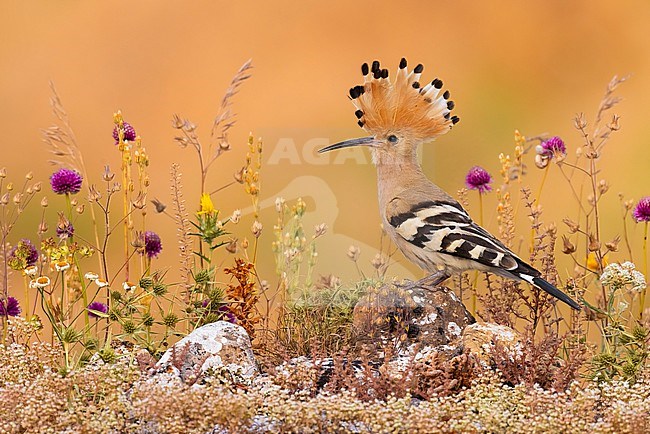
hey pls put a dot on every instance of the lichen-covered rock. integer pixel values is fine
(482, 340)
(220, 349)
(424, 316)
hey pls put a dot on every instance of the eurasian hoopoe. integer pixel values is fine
(427, 225)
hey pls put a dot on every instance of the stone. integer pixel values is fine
(482, 339)
(411, 316)
(218, 349)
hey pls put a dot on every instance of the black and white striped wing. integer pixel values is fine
(445, 227)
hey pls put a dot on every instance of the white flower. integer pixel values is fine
(618, 276)
(256, 229)
(62, 265)
(101, 283)
(129, 286)
(41, 282)
(31, 271)
(91, 276)
(279, 204)
(236, 216)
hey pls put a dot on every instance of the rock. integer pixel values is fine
(417, 316)
(482, 340)
(220, 349)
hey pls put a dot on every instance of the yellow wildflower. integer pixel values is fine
(207, 207)
(145, 300)
(592, 262)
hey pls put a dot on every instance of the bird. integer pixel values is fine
(428, 226)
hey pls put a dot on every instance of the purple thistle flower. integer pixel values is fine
(65, 230)
(129, 133)
(478, 179)
(152, 244)
(65, 181)
(552, 146)
(227, 315)
(99, 307)
(23, 255)
(641, 212)
(10, 307)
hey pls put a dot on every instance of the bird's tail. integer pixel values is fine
(543, 284)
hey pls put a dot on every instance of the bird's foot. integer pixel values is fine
(429, 282)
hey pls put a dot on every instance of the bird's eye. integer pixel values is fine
(392, 138)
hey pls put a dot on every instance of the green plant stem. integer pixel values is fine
(125, 186)
(475, 281)
(645, 269)
(626, 237)
(84, 296)
(63, 315)
(27, 303)
(68, 203)
(539, 195)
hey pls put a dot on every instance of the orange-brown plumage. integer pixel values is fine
(383, 105)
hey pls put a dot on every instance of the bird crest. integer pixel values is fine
(385, 106)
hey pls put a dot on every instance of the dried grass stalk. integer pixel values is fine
(183, 227)
(225, 117)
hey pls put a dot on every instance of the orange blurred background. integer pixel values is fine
(508, 64)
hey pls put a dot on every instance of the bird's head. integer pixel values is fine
(399, 115)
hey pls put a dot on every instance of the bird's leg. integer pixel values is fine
(430, 281)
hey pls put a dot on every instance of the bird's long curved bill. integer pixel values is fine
(362, 141)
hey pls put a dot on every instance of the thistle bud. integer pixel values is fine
(568, 247)
(612, 246)
(580, 121)
(140, 201)
(594, 244)
(108, 175)
(94, 195)
(177, 122)
(573, 226)
(231, 247)
(160, 207)
(239, 176)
